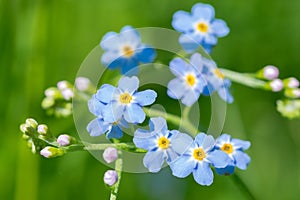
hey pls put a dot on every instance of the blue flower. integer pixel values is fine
(125, 51)
(124, 101)
(198, 158)
(199, 28)
(216, 81)
(98, 126)
(188, 84)
(234, 148)
(161, 143)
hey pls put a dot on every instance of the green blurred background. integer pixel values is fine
(44, 41)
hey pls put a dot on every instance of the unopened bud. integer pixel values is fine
(52, 92)
(43, 129)
(275, 85)
(110, 177)
(64, 140)
(292, 92)
(82, 83)
(31, 122)
(51, 152)
(62, 85)
(67, 94)
(27, 129)
(110, 154)
(270, 72)
(291, 82)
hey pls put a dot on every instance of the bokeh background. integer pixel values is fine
(45, 41)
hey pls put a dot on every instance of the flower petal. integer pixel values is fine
(95, 106)
(110, 41)
(196, 62)
(153, 160)
(182, 166)
(188, 43)
(112, 112)
(112, 59)
(142, 139)
(224, 138)
(203, 174)
(226, 170)
(130, 36)
(219, 28)
(176, 88)
(145, 98)
(115, 132)
(182, 21)
(178, 67)
(130, 66)
(181, 142)
(203, 11)
(225, 94)
(134, 114)
(218, 158)
(190, 97)
(146, 54)
(240, 144)
(241, 159)
(158, 125)
(105, 93)
(97, 127)
(128, 84)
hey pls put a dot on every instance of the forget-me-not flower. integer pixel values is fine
(199, 27)
(125, 101)
(198, 159)
(162, 144)
(125, 50)
(189, 83)
(98, 126)
(234, 148)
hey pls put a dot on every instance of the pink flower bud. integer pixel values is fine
(46, 152)
(276, 85)
(270, 72)
(291, 82)
(110, 177)
(82, 83)
(62, 85)
(110, 154)
(67, 94)
(64, 140)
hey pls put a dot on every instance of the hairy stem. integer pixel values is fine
(244, 79)
(118, 168)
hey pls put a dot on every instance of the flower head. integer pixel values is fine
(98, 126)
(199, 27)
(198, 158)
(162, 144)
(234, 148)
(125, 50)
(188, 84)
(124, 101)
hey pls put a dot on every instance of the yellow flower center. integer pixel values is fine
(199, 154)
(227, 148)
(219, 74)
(202, 27)
(125, 98)
(190, 79)
(128, 51)
(163, 142)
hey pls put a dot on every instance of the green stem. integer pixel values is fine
(183, 122)
(243, 187)
(118, 168)
(244, 79)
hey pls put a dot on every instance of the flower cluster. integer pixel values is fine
(125, 51)
(199, 76)
(199, 28)
(40, 139)
(114, 107)
(185, 155)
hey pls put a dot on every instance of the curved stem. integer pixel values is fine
(244, 79)
(118, 168)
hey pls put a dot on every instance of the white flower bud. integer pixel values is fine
(82, 83)
(31, 122)
(270, 72)
(276, 85)
(110, 154)
(67, 94)
(42, 129)
(64, 140)
(62, 85)
(291, 82)
(110, 177)
(51, 152)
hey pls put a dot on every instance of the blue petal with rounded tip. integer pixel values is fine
(182, 21)
(134, 114)
(240, 144)
(112, 112)
(182, 166)
(98, 127)
(153, 160)
(128, 84)
(241, 160)
(219, 28)
(203, 175)
(218, 158)
(203, 11)
(115, 132)
(105, 93)
(176, 88)
(146, 55)
(145, 97)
